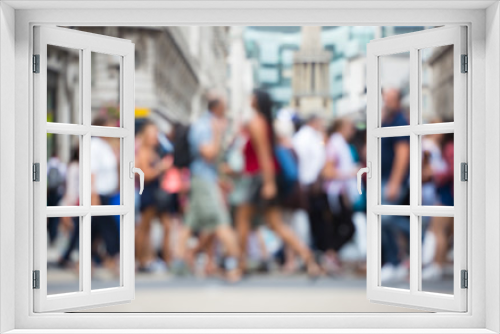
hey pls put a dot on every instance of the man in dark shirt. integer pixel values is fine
(395, 153)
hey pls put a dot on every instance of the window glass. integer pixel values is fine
(437, 169)
(105, 89)
(437, 84)
(63, 85)
(395, 170)
(105, 170)
(394, 76)
(437, 254)
(105, 250)
(63, 247)
(63, 170)
(395, 251)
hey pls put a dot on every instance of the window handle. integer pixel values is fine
(367, 170)
(133, 170)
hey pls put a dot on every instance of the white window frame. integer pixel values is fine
(483, 100)
(413, 43)
(85, 43)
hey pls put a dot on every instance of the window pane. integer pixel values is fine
(395, 251)
(105, 169)
(63, 85)
(394, 75)
(105, 89)
(63, 246)
(437, 84)
(63, 170)
(394, 170)
(437, 254)
(437, 169)
(105, 248)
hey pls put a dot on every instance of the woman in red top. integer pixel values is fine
(260, 171)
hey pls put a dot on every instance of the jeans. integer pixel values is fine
(53, 198)
(392, 226)
(105, 229)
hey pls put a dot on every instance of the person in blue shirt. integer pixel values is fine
(395, 157)
(207, 212)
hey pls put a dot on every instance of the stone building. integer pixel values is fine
(437, 84)
(240, 79)
(174, 67)
(310, 81)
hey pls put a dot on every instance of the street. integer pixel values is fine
(257, 293)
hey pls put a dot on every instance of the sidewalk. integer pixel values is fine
(272, 293)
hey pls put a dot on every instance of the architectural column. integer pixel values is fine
(295, 77)
(325, 77)
(317, 77)
(307, 81)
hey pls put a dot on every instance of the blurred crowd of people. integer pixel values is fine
(232, 193)
(277, 192)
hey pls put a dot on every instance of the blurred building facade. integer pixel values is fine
(437, 84)
(349, 66)
(271, 51)
(174, 67)
(240, 79)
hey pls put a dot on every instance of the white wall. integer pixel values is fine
(7, 159)
(286, 16)
(492, 150)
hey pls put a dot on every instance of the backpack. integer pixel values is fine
(54, 178)
(182, 149)
(289, 169)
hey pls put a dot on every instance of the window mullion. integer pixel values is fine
(85, 249)
(414, 171)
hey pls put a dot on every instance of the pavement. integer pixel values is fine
(162, 292)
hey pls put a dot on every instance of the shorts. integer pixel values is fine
(148, 197)
(251, 193)
(167, 202)
(206, 210)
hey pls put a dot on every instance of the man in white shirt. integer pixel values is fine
(105, 179)
(309, 144)
(104, 168)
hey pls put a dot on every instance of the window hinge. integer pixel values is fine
(464, 171)
(36, 63)
(36, 279)
(465, 279)
(36, 172)
(465, 64)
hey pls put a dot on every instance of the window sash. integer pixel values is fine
(86, 43)
(414, 42)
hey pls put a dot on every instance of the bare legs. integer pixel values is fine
(441, 227)
(272, 216)
(142, 237)
(166, 223)
(225, 235)
(243, 216)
